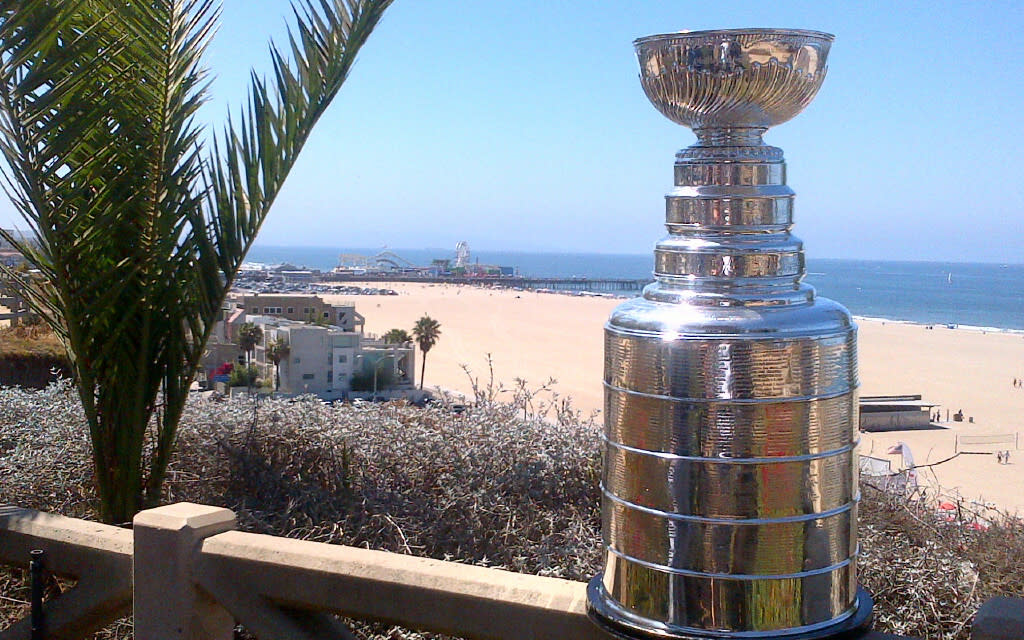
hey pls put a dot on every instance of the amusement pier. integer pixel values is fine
(387, 266)
(610, 285)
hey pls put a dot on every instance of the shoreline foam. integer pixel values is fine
(939, 325)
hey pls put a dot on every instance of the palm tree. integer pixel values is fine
(249, 335)
(138, 225)
(277, 351)
(427, 331)
(397, 336)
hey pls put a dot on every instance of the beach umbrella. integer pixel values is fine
(946, 510)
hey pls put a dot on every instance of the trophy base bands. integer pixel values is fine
(855, 626)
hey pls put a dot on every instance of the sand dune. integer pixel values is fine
(535, 336)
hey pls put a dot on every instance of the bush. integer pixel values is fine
(243, 376)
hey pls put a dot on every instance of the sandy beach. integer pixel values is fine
(536, 336)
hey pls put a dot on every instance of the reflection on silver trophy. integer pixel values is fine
(729, 485)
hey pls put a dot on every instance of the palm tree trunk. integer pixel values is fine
(423, 368)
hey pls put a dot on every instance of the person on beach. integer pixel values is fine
(999, 457)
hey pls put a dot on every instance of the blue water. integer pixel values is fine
(966, 294)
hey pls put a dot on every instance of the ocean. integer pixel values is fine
(970, 295)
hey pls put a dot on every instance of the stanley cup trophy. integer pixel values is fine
(729, 492)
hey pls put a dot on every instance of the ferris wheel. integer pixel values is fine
(462, 254)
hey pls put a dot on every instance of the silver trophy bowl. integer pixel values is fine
(732, 79)
(730, 474)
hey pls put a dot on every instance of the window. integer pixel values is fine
(327, 315)
(342, 359)
(266, 309)
(295, 360)
(307, 376)
(330, 376)
(255, 309)
(291, 309)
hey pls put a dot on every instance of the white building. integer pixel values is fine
(331, 362)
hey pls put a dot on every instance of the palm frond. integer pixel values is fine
(97, 105)
(251, 161)
(137, 229)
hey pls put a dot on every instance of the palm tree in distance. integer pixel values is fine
(249, 335)
(277, 351)
(397, 336)
(427, 331)
(138, 224)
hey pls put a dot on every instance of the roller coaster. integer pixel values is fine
(385, 261)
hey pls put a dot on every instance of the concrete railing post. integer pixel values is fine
(167, 603)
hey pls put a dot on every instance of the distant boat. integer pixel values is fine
(949, 278)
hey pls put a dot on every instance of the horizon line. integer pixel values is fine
(607, 253)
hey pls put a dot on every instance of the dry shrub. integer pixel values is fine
(479, 486)
(928, 576)
(31, 338)
(484, 486)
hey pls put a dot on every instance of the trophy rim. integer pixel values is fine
(808, 33)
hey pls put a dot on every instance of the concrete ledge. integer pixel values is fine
(99, 556)
(75, 542)
(193, 575)
(419, 593)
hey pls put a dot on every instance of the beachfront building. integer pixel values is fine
(302, 308)
(327, 353)
(895, 413)
(298, 276)
(384, 364)
(333, 363)
(222, 346)
(319, 358)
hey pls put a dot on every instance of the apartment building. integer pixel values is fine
(302, 308)
(327, 361)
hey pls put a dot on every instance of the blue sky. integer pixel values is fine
(522, 126)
